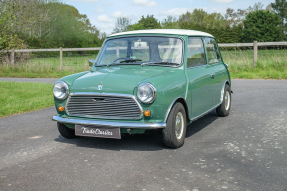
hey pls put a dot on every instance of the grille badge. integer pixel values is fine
(99, 100)
(100, 87)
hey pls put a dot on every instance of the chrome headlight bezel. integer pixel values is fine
(152, 97)
(58, 87)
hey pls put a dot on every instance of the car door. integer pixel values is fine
(200, 92)
(217, 69)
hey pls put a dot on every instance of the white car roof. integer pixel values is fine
(165, 31)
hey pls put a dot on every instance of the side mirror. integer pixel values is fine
(226, 65)
(91, 62)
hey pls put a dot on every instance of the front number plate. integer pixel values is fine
(92, 131)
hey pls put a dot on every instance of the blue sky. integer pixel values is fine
(103, 13)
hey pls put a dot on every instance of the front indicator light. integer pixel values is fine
(61, 108)
(147, 113)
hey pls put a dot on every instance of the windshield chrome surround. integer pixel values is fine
(139, 35)
(107, 94)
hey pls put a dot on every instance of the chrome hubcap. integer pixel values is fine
(179, 125)
(227, 100)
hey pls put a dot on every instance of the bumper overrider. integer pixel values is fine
(110, 124)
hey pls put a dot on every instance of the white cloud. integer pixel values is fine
(119, 14)
(104, 18)
(107, 27)
(87, 1)
(222, 1)
(147, 3)
(107, 4)
(99, 10)
(176, 11)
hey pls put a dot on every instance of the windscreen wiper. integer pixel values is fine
(159, 63)
(130, 60)
(169, 63)
(114, 63)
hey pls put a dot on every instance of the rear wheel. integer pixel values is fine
(223, 109)
(66, 131)
(174, 133)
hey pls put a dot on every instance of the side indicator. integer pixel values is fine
(147, 113)
(61, 108)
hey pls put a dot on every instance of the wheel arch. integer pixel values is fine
(222, 89)
(183, 102)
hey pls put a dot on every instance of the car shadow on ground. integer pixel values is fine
(141, 142)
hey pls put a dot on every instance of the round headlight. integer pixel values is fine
(61, 90)
(146, 93)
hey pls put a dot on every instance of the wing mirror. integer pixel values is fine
(91, 62)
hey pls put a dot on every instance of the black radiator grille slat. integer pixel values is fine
(101, 106)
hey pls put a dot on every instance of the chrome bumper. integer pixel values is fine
(110, 123)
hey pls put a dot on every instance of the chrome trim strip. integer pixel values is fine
(111, 124)
(170, 106)
(195, 118)
(107, 94)
(222, 91)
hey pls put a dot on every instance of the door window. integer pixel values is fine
(212, 51)
(195, 52)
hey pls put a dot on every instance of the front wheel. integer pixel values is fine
(174, 133)
(223, 109)
(66, 131)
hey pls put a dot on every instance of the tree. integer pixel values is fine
(149, 22)
(44, 24)
(122, 24)
(261, 26)
(185, 18)
(234, 18)
(215, 20)
(170, 23)
(280, 7)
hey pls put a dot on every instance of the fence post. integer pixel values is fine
(255, 53)
(61, 59)
(12, 57)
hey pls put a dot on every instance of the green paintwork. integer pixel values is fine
(194, 85)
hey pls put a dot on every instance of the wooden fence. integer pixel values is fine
(255, 46)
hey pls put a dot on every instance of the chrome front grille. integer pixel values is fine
(105, 106)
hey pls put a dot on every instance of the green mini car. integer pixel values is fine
(141, 80)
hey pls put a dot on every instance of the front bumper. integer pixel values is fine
(110, 124)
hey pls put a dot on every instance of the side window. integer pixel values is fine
(195, 52)
(212, 51)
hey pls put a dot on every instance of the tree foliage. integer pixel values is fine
(262, 26)
(148, 22)
(170, 23)
(122, 24)
(201, 17)
(280, 7)
(44, 23)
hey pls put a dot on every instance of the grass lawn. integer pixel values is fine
(17, 97)
(47, 67)
(271, 64)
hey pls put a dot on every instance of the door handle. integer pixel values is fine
(212, 75)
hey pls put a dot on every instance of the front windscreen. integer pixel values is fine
(142, 49)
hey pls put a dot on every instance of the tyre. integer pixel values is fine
(66, 131)
(174, 133)
(223, 109)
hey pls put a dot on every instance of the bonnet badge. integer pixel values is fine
(100, 87)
